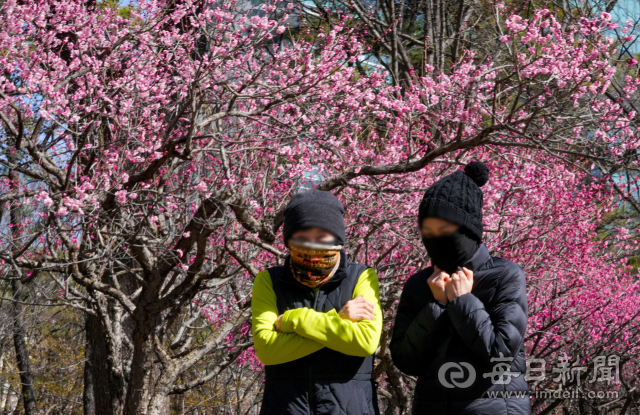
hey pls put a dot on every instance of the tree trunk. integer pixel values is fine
(105, 365)
(17, 314)
(22, 351)
(151, 380)
(140, 382)
(107, 388)
(89, 392)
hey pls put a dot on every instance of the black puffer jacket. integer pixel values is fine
(451, 348)
(326, 382)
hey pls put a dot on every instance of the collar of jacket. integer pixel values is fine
(478, 258)
(341, 272)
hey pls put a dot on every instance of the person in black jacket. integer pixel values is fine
(461, 322)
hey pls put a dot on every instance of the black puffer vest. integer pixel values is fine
(325, 382)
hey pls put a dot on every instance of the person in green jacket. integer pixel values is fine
(317, 320)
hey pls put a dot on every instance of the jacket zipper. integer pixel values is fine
(312, 394)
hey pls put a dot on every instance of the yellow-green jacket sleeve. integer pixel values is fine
(328, 329)
(271, 346)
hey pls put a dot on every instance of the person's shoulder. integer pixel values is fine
(510, 272)
(262, 276)
(351, 263)
(416, 292)
(359, 268)
(421, 274)
(506, 266)
(262, 286)
(275, 270)
(418, 278)
(268, 274)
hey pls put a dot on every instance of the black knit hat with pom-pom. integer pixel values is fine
(457, 198)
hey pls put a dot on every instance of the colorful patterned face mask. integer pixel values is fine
(312, 264)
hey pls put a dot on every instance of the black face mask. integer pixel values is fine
(450, 251)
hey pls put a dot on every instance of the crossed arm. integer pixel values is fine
(305, 331)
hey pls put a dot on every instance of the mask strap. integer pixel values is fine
(313, 245)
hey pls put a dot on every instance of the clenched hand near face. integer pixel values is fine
(446, 287)
(460, 283)
(437, 282)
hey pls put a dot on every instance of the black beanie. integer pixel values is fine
(457, 198)
(314, 208)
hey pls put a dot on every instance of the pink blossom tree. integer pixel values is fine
(152, 156)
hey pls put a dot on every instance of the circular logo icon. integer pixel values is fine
(457, 372)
